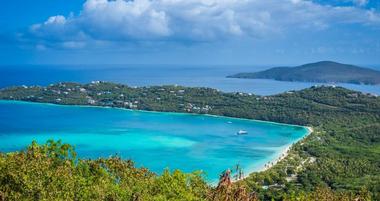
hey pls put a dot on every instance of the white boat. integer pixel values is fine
(229, 122)
(242, 132)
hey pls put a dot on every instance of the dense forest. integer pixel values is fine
(340, 160)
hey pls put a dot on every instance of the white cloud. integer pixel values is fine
(193, 20)
(124, 19)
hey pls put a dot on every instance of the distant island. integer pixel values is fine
(323, 72)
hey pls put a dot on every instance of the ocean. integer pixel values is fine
(148, 75)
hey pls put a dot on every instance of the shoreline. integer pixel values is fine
(283, 153)
(280, 155)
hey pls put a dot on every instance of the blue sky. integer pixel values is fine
(250, 32)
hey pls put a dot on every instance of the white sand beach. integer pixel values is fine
(283, 154)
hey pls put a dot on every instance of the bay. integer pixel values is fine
(156, 140)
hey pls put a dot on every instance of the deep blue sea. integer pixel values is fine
(148, 75)
(156, 140)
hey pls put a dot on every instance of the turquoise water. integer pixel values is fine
(155, 140)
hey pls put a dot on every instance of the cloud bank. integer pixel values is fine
(108, 21)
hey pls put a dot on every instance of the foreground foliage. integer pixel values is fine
(52, 172)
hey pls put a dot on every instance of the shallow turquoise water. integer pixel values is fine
(155, 140)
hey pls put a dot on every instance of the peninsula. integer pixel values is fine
(321, 72)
